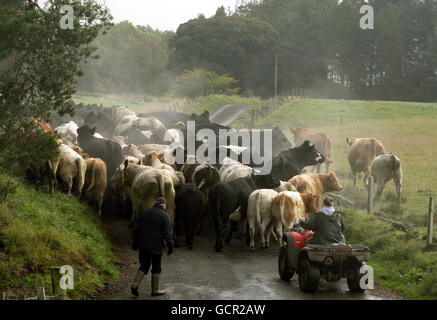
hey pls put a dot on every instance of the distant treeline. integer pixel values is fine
(319, 45)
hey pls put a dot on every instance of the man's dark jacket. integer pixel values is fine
(327, 229)
(153, 231)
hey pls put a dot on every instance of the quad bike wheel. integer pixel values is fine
(353, 278)
(284, 269)
(309, 276)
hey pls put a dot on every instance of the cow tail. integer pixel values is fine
(92, 171)
(373, 147)
(161, 185)
(80, 173)
(257, 205)
(281, 209)
(395, 163)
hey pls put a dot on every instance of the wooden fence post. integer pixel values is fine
(252, 122)
(370, 195)
(430, 245)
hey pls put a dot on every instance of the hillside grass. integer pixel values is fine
(39, 230)
(213, 102)
(406, 129)
(409, 131)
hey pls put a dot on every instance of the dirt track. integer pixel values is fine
(201, 273)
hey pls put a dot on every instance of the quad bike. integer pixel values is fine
(313, 262)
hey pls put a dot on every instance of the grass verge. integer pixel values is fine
(399, 263)
(39, 231)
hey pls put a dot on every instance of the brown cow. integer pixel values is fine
(152, 159)
(321, 141)
(361, 154)
(316, 184)
(95, 183)
(132, 150)
(289, 207)
(50, 167)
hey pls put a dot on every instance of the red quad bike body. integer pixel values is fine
(312, 262)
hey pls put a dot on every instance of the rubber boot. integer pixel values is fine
(138, 277)
(155, 286)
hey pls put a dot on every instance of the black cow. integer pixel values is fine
(107, 150)
(289, 163)
(102, 122)
(204, 177)
(226, 197)
(188, 211)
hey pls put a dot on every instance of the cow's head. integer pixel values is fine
(333, 183)
(350, 141)
(267, 181)
(84, 133)
(150, 158)
(297, 130)
(309, 155)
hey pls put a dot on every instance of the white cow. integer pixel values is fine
(385, 168)
(259, 213)
(71, 169)
(232, 169)
(68, 131)
(285, 186)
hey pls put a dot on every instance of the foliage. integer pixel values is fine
(132, 60)
(8, 186)
(39, 61)
(242, 47)
(201, 82)
(39, 231)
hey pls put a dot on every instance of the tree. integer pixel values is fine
(199, 82)
(240, 46)
(37, 71)
(132, 60)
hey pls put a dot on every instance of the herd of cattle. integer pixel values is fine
(116, 160)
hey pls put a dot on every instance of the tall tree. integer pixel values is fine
(39, 63)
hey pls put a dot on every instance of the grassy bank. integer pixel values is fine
(39, 231)
(399, 263)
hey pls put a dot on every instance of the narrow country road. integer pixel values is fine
(227, 114)
(201, 273)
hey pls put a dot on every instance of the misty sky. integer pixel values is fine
(162, 14)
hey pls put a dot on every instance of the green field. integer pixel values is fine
(39, 230)
(409, 131)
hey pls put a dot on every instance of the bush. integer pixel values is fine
(199, 82)
(8, 186)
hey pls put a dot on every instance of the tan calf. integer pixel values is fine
(316, 184)
(320, 140)
(95, 183)
(289, 207)
(361, 154)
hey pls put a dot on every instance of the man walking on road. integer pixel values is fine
(152, 232)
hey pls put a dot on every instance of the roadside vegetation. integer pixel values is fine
(39, 231)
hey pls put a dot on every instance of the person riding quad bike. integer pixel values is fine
(327, 225)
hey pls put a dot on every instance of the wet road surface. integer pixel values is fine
(227, 114)
(201, 273)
